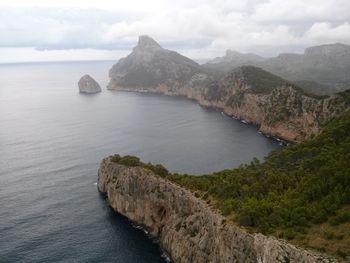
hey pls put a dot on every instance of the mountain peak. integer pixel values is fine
(146, 42)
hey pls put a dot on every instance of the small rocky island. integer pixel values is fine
(88, 85)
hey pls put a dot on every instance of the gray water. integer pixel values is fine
(51, 142)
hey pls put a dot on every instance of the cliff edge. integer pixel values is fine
(187, 227)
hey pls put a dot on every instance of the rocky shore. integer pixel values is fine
(189, 229)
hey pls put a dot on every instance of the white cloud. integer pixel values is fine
(326, 33)
(301, 10)
(198, 28)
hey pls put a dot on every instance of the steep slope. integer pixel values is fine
(301, 192)
(280, 108)
(327, 64)
(187, 227)
(296, 190)
(150, 65)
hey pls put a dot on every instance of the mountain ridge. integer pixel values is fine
(327, 64)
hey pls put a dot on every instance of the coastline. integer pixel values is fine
(281, 140)
(189, 229)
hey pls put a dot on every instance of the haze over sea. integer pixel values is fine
(51, 142)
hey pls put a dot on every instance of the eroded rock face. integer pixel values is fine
(189, 229)
(88, 85)
(150, 65)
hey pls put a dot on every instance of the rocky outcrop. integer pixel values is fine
(279, 108)
(150, 65)
(88, 85)
(187, 227)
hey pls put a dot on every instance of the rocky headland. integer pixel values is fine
(189, 229)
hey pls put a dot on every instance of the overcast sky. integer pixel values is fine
(36, 30)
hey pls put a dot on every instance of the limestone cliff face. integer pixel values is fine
(150, 65)
(189, 229)
(284, 111)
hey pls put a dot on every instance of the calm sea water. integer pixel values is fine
(51, 142)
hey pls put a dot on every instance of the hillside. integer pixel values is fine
(300, 193)
(328, 64)
(320, 69)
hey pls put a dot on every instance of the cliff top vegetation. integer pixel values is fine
(299, 193)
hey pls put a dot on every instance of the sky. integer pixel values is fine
(50, 30)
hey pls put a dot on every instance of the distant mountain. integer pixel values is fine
(236, 58)
(326, 64)
(150, 65)
(321, 69)
(250, 93)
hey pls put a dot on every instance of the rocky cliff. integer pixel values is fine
(187, 227)
(150, 65)
(278, 107)
(88, 85)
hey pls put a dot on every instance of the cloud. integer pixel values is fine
(326, 33)
(301, 11)
(198, 28)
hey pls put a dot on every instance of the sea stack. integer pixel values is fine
(88, 85)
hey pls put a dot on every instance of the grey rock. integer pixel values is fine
(88, 85)
(189, 230)
(327, 64)
(150, 65)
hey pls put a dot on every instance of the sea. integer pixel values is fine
(52, 140)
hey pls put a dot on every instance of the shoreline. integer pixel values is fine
(188, 229)
(281, 141)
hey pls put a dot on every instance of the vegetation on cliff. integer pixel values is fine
(133, 161)
(292, 191)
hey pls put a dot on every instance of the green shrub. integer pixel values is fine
(299, 184)
(341, 217)
(328, 235)
(126, 160)
(289, 234)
